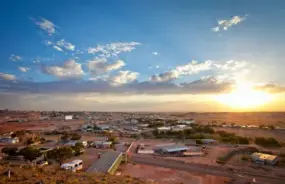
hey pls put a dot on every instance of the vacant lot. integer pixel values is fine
(168, 176)
(257, 118)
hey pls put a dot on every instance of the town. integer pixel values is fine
(140, 144)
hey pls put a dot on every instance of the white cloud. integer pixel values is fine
(14, 57)
(70, 69)
(155, 53)
(47, 42)
(99, 66)
(194, 68)
(65, 44)
(57, 48)
(225, 24)
(23, 69)
(157, 66)
(6, 76)
(36, 61)
(47, 25)
(123, 77)
(216, 29)
(231, 65)
(113, 49)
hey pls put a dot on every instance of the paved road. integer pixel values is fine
(205, 169)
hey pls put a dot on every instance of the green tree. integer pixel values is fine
(79, 145)
(11, 151)
(60, 154)
(30, 153)
(198, 141)
(113, 140)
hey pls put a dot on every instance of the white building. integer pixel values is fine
(262, 158)
(163, 129)
(68, 117)
(187, 122)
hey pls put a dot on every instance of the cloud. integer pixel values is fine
(165, 77)
(191, 68)
(23, 69)
(47, 26)
(155, 53)
(225, 24)
(36, 61)
(99, 66)
(123, 77)
(14, 57)
(113, 49)
(65, 44)
(57, 48)
(207, 85)
(231, 65)
(70, 69)
(271, 88)
(5, 76)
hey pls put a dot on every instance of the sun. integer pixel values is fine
(244, 97)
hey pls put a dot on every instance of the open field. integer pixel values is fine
(168, 176)
(277, 134)
(256, 118)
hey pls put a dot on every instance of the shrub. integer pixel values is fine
(11, 151)
(30, 153)
(198, 141)
(267, 142)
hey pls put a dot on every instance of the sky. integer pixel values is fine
(163, 55)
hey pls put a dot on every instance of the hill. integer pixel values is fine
(51, 175)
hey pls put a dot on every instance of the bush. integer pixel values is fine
(267, 142)
(242, 140)
(11, 151)
(30, 153)
(60, 154)
(198, 141)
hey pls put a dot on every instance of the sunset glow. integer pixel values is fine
(244, 97)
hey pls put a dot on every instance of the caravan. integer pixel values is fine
(74, 166)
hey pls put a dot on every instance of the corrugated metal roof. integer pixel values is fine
(172, 148)
(262, 156)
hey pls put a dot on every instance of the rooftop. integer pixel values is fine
(171, 147)
(263, 156)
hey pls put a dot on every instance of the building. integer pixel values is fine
(73, 143)
(261, 158)
(163, 129)
(108, 163)
(102, 144)
(9, 140)
(209, 141)
(187, 122)
(170, 149)
(68, 117)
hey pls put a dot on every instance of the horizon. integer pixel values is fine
(162, 56)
